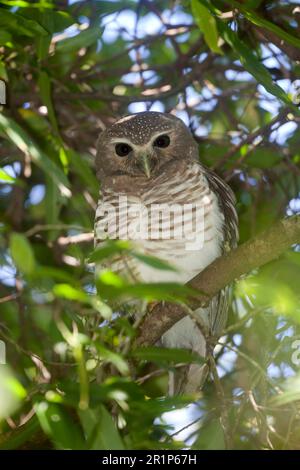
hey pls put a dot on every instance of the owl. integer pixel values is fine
(156, 193)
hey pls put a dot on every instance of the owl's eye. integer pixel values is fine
(162, 141)
(123, 149)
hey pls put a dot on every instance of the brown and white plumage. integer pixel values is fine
(162, 167)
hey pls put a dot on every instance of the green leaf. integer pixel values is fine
(19, 25)
(58, 425)
(84, 39)
(66, 291)
(167, 355)
(157, 406)
(211, 437)
(117, 247)
(291, 387)
(51, 20)
(293, 257)
(253, 65)
(52, 206)
(5, 37)
(71, 293)
(12, 392)
(42, 46)
(6, 178)
(81, 167)
(111, 286)
(24, 4)
(100, 430)
(15, 387)
(262, 22)
(22, 253)
(21, 139)
(153, 262)
(45, 91)
(105, 7)
(109, 248)
(207, 25)
(13, 440)
(54, 273)
(112, 358)
(263, 158)
(3, 72)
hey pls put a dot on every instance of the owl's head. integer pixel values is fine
(143, 145)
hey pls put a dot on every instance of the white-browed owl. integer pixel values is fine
(156, 193)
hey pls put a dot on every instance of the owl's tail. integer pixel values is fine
(187, 379)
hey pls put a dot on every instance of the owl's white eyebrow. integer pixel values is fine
(121, 140)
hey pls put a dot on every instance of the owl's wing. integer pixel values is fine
(100, 237)
(227, 203)
(218, 307)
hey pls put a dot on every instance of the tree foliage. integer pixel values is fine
(73, 378)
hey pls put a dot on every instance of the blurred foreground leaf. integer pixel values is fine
(22, 253)
(100, 430)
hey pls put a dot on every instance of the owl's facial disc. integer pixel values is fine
(141, 160)
(143, 146)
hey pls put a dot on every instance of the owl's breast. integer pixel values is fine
(177, 220)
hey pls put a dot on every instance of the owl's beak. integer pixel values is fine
(145, 164)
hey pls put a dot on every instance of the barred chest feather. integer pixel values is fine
(177, 219)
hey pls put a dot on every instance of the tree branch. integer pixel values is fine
(264, 35)
(252, 254)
